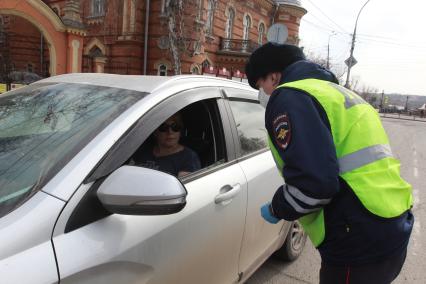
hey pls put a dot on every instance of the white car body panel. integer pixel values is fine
(200, 244)
(35, 265)
(26, 254)
(259, 235)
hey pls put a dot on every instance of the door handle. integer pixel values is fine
(227, 192)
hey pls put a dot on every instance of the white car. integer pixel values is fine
(73, 209)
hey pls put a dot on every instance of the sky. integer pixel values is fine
(390, 44)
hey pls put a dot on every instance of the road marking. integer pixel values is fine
(416, 198)
(416, 233)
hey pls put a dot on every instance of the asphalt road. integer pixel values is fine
(408, 141)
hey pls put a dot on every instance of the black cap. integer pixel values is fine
(271, 57)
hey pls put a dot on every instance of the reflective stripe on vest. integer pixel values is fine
(296, 193)
(363, 152)
(363, 157)
(312, 223)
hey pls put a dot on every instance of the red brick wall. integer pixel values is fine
(24, 46)
(260, 11)
(124, 56)
(125, 53)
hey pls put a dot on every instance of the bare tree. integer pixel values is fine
(322, 61)
(355, 80)
(369, 93)
(186, 29)
(175, 22)
(316, 58)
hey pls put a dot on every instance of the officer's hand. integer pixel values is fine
(266, 212)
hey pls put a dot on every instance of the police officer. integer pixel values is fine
(341, 180)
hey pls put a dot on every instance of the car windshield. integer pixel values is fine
(43, 126)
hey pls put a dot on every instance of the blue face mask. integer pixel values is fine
(263, 97)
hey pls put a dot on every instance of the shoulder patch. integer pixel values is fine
(282, 130)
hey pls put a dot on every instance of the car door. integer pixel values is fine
(260, 237)
(200, 244)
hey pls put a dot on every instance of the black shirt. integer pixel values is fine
(183, 161)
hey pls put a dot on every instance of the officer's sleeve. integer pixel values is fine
(298, 128)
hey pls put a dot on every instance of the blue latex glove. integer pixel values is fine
(266, 213)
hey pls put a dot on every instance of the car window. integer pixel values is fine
(186, 142)
(42, 127)
(204, 132)
(249, 118)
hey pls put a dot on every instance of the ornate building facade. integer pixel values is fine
(159, 37)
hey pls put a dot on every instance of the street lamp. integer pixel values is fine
(328, 49)
(350, 59)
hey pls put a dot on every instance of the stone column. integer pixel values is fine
(76, 33)
(99, 64)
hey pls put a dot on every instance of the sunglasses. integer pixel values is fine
(173, 126)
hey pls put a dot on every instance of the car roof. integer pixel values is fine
(143, 83)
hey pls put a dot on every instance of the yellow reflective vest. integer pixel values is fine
(362, 147)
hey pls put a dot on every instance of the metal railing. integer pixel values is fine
(237, 45)
(417, 116)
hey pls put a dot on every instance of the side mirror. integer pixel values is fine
(141, 191)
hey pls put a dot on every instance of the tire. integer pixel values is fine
(294, 243)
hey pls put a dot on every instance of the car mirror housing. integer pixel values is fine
(133, 190)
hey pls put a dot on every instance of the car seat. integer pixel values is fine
(198, 132)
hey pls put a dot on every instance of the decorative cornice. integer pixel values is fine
(230, 59)
(94, 20)
(76, 31)
(70, 24)
(293, 10)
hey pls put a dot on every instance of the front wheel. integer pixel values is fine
(294, 243)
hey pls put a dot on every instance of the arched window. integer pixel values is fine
(230, 23)
(95, 52)
(261, 33)
(205, 64)
(195, 70)
(162, 70)
(210, 14)
(247, 26)
(98, 7)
